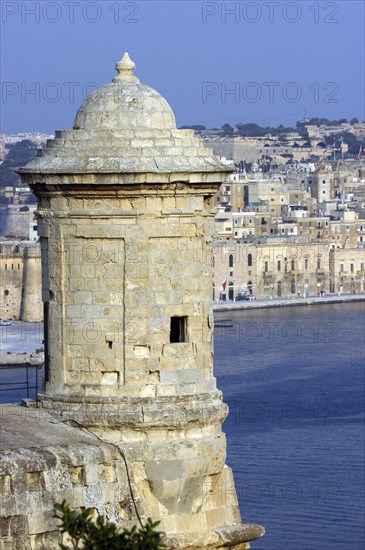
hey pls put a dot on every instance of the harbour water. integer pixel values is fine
(294, 381)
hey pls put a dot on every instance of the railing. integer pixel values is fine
(27, 383)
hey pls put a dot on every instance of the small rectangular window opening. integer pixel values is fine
(178, 329)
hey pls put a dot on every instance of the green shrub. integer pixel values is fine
(87, 534)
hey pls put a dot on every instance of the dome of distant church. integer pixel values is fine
(125, 104)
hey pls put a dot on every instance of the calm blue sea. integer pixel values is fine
(294, 381)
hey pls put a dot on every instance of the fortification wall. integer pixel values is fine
(42, 463)
(20, 278)
(11, 275)
(31, 304)
(15, 224)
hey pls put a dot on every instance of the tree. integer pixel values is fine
(102, 535)
(19, 155)
(352, 142)
(227, 130)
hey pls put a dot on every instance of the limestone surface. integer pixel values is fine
(125, 221)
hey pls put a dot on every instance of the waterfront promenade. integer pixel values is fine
(284, 302)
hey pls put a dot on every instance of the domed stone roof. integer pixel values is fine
(125, 104)
(125, 132)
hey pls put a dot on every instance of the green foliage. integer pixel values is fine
(87, 534)
(352, 141)
(227, 130)
(251, 129)
(19, 155)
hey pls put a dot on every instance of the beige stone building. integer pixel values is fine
(270, 269)
(125, 219)
(316, 228)
(240, 225)
(347, 232)
(272, 195)
(347, 268)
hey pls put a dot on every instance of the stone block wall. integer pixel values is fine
(119, 270)
(85, 474)
(20, 276)
(43, 461)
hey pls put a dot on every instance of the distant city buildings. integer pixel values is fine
(286, 236)
(287, 224)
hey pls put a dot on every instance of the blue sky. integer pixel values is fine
(278, 59)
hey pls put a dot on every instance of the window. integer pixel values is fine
(293, 287)
(352, 268)
(292, 265)
(249, 260)
(231, 273)
(279, 265)
(318, 264)
(230, 260)
(266, 267)
(341, 268)
(362, 267)
(306, 264)
(178, 332)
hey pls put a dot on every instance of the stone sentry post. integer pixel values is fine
(125, 217)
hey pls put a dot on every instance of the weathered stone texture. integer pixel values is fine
(125, 217)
